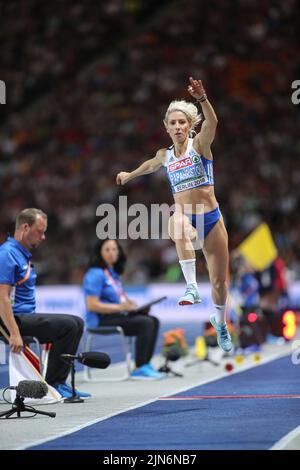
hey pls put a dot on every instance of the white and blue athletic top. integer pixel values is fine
(189, 171)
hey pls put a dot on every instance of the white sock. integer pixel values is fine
(188, 267)
(220, 311)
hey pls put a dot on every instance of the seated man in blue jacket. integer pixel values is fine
(17, 301)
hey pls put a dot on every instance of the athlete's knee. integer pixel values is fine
(179, 227)
(219, 284)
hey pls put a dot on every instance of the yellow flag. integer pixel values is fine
(259, 248)
(200, 348)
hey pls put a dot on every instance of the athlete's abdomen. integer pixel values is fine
(201, 195)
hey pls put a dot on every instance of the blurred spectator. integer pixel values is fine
(247, 284)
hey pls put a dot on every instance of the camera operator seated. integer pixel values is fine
(106, 300)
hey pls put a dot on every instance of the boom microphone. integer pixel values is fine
(173, 353)
(91, 359)
(31, 389)
(95, 359)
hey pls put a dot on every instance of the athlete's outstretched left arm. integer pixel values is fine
(207, 133)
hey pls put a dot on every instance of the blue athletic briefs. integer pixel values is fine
(204, 223)
(97, 284)
(14, 266)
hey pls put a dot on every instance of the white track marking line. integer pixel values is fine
(285, 440)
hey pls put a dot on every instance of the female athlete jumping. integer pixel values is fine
(189, 165)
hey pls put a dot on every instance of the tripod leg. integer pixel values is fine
(7, 414)
(207, 359)
(38, 412)
(167, 370)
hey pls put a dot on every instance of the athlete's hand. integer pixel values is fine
(122, 177)
(16, 343)
(196, 88)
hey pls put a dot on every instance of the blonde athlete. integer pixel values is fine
(189, 165)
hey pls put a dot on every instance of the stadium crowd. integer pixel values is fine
(87, 98)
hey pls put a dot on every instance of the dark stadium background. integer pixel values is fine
(88, 84)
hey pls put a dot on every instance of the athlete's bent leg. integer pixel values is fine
(183, 233)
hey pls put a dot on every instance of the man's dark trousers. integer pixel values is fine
(63, 331)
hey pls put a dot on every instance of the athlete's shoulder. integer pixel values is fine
(196, 147)
(161, 155)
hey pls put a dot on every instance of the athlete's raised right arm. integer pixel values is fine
(145, 168)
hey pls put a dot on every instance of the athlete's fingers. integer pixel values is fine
(191, 80)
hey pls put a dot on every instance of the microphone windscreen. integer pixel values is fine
(94, 359)
(31, 389)
(173, 353)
